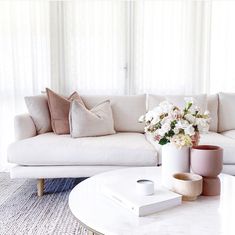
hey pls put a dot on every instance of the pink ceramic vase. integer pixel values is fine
(207, 161)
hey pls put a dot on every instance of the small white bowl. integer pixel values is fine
(188, 185)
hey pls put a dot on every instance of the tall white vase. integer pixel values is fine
(174, 160)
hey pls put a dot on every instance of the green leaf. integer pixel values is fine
(173, 123)
(163, 141)
(189, 105)
(170, 133)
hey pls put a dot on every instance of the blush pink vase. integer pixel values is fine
(207, 161)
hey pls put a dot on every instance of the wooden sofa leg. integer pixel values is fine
(40, 187)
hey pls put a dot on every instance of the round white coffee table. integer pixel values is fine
(101, 215)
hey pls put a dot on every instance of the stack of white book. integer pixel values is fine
(127, 196)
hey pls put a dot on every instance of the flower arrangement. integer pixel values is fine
(167, 123)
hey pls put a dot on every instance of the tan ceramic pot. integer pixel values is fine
(207, 160)
(188, 185)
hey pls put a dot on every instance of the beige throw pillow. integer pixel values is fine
(38, 109)
(94, 122)
(59, 110)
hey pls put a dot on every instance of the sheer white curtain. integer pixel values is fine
(24, 60)
(222, 67)
(94, 36)
(171, 46)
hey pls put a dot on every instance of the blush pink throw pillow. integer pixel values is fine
(59, 109)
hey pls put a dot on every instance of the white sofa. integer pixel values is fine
(58, 156)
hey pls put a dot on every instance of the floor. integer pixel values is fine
(22, 212)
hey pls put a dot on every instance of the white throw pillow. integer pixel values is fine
(97, 121)
(39, 111)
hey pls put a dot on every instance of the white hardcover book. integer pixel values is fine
(128, 197)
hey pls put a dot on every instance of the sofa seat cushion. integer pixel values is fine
(228, 144)
(122, 149)
(230, 134)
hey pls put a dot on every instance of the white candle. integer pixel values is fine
(145, 187)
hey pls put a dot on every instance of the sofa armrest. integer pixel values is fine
(24, 127)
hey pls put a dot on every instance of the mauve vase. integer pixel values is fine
(207, 161)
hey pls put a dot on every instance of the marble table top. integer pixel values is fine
(205, 216)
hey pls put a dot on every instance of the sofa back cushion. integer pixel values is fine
(213, 106)
(204, 102)
(126, 110)
(226, 111)
(178, 100)
(38, 109)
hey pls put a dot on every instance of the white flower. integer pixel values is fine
(189, 130)
(142, 118)
(206, 113)
(167, 119)
(164, 129)
(149, 116)
(155, 120)
(194, 108)
(182, 124)
(176, 130)
(166, 106)
(189, 117)
(202, 124)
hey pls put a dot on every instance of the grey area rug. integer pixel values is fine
(22, 212)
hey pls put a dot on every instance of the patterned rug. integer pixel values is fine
(22, 212)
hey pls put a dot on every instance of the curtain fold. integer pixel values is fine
(171, 46)
(222, 69)
(24, 61)
(94, 46)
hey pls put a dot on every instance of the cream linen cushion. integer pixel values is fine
(95, 122)
(226, 111)
(126, 110)
(39, 111)
(212, 106)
